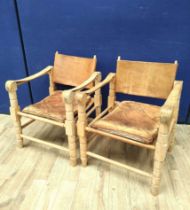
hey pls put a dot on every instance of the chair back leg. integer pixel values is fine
(98, 97)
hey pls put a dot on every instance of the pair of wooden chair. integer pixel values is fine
(144, 125)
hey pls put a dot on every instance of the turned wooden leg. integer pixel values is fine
(72, 150)
(98, 96)
(70, 126)
(172, 140)
(155, 185)
(159, 157)
(83, 150)
(11, 87)
(51, 83)
(166, 136)
(82, 139)
(17, 124)
(111, 97)
(98, 111)
(81, 125)
(18, 129)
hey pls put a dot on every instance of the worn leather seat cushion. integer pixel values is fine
(51, 107)
(133, 120)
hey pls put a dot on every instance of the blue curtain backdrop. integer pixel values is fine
(11, 57)
(146, 30)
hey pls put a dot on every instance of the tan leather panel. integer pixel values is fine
(145, 78)
(51, 107)
(71, 70)
(133, 120)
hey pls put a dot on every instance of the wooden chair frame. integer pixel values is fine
(163, 143)
(70, 122)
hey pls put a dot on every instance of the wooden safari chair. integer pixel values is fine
(144, 125)
(59, 108)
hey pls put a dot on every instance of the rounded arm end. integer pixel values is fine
(11, 85)
(68, 96)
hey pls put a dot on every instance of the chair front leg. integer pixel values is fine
(173, 132)
(81, 125)
(83, 149)
(156, 177)
(17, 124)
(72, 149)
(14, 108)
(172, 139)
(159, 157)
(70, 126)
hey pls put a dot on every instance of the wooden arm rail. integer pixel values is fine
(168, 109)
(174, 94)
(166, 114)
(107, 80)
(11, 85)
(69, 94)
(91, 79)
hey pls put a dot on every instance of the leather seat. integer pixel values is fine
(133, 120)
(51, 107)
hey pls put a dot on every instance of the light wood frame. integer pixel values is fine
(163, 143)
(68, 96)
